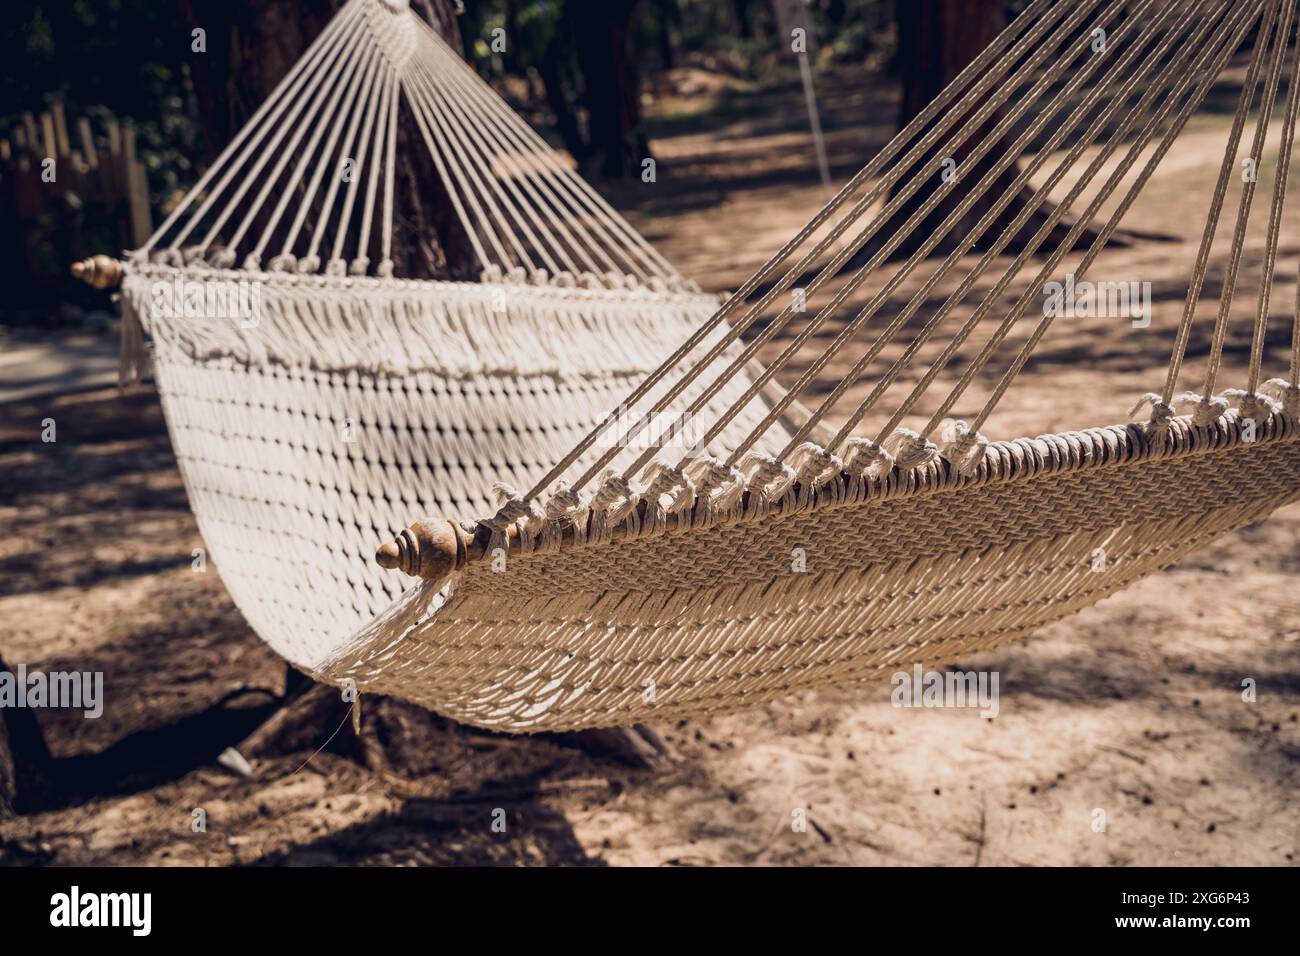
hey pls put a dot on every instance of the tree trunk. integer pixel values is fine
(744, 24)
(24, 760)
(441, 15)
(937, 39)
(552, 69)
(8, 775)
(252, 44)
(670, 19)
(603, 31)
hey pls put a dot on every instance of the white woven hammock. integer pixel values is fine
(314, 399)
(659, 581)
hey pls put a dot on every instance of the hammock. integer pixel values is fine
(314, 398)
(648, 582)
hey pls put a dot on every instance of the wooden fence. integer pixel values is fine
(62, 182)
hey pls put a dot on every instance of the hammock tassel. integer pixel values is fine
(669, 482)
(1283, 391)
(769, 480)
(513, 509)
(1162, 413)
(911, 450)
(1207, 410)
(132, 356)
(963, 447)
(613, 502)
(816, 466)
(864, 458)
(106, 272)
(1253, 405)
(718, 489)
(561, 512)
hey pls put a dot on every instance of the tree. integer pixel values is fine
(937, 39)
(24, 759)
(252, 44)
(602, 35)
(669, 22)
(587, 64)
(744, 25)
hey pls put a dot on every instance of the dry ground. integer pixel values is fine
(1133, 707)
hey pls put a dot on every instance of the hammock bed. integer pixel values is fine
(633, 583)
(315, 400)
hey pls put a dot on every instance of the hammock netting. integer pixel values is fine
(615, 577)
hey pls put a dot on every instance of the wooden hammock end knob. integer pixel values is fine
(431, 549)
(103, 272)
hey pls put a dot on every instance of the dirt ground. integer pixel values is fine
(1133, 708)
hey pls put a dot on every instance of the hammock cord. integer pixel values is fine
(988, 107)
(981, 190)
(252, 132)
(367, 103)
(365, 235)
(608, 230)
(302, 117)
(1170, 51)
(986, 70)
(280, 118)
(484, 146)
(527, 216)
(1061, 61)
(1279, 35)
(435, 138)
(1278, 205)
(1060, 210)
(360, 64)
(1098, 245)
(358, 98)
(555, 197)
(1200, 267)
(371, 123)
(1081, 115)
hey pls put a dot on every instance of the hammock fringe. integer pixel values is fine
(395, 328)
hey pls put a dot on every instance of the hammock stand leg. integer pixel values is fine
(307, 715)
(310, 712)
(638, 746)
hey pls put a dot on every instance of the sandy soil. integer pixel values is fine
(1133, 708)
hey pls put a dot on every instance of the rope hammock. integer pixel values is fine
(641, 580)
(315, 399)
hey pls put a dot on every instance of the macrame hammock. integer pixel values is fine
(315, 400)
(765, 553)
